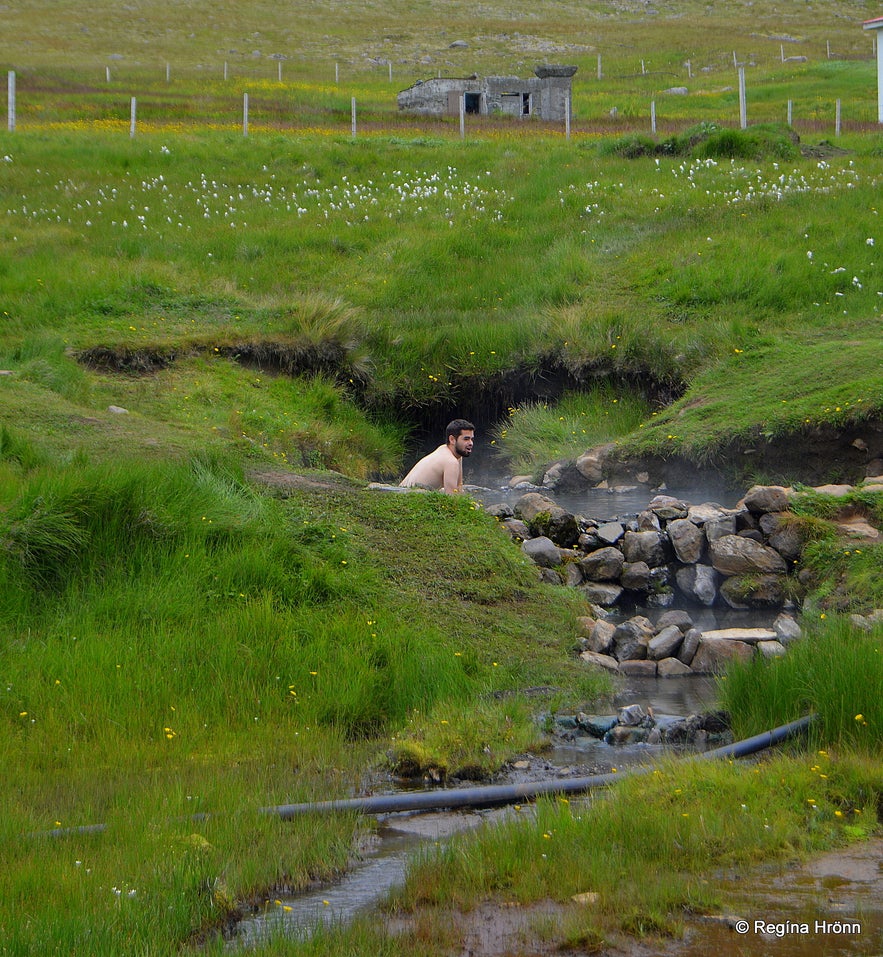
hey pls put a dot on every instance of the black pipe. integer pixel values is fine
(488, 796)
(493, 795)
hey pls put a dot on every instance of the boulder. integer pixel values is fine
(766, 498)
(753, 591)
(593, 463)
(690, 645)
(600, 638)
(714, 654)
(736, 555)
(646, 547)
(782, 535)
(610, 532)
(516, 529)
(640, 668)
(631, 716)
(542, 551)
(679, 618)
(573, 574)
(718, 527)
(699, 583)
(665, 644)
(605, 564)
(545, 518)
(771, 649)
(635, 576)
(601, 593)
(631, 637)
(600, 661)
(687, 540)
(672, 668)
(666, 507)
(748, 635)
(786, 629)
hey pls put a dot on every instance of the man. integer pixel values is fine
(442, 470)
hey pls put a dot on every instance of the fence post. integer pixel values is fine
(567, 117)
(743, 109)
(782, 52)
(132, 111)
(837, 118)
(790, 111)
(280, 71)
(689, 70)
(828, 45)
(168, 73)
(336, 73)
(643, 68)
(353, 111)
(735, 61)
(653, 117)
(245, 114)
(462, 116)
(600, 74)
(225, 71)
(107, 74)
(390, 70)
(10, 101)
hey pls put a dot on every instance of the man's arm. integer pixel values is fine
(453, 477)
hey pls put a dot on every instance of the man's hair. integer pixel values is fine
(456, 427)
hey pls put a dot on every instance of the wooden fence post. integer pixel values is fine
(245, 114)
(10, 101)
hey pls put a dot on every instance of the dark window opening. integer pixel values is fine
(525, 104)
(473, 102)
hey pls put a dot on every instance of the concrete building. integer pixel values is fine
(546, 96)
(877, 25)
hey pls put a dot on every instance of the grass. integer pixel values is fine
(204, 611)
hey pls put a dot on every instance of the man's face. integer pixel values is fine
(462, 445)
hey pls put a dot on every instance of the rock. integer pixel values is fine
(458, 45)
(665, 644)
(117, 410)
(600, 661)
(573, 574)
(786, 629)
(516, 528)
(648, 521)
(610, 532)
(542, 551)
(719, 527)
(499, 510)
(687, 539)
(635, 576)
(631, 637)
(689, 646)
(766, 498)
(549, 576)
(631, 716)
(586, 898)
(783, 535)
(735, 555)
(714, 654)
(600, 638)
(545, 518)
(749, 635)
(771, 649)
(679, 618)
(605, 564)
(676, 91)
(698, 582)
(858, 529)
(753, 591)
(638, 667)
(672, 668)
(835, 491)
(592, 464)
(707, 512)
(666, 507)
(644, 547)
(600, 593)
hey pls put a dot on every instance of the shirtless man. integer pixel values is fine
(442, 470)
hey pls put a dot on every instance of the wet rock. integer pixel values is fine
(672, 668)
(542, 551)
(596, 725)
(783, 535)
(605, 564)
(546, 519)
(516, 529)
(549, 576)
(720, 527)
(687, 539)
(698, 582)
(648, 521)
(621, 735)
(631, 715)
(735, 555)
(750, 635)
(593, 463)
(573, 574)
(639, 667)
(499, 510)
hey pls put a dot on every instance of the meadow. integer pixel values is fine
(211, 341)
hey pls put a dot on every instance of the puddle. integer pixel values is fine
(830, 907)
